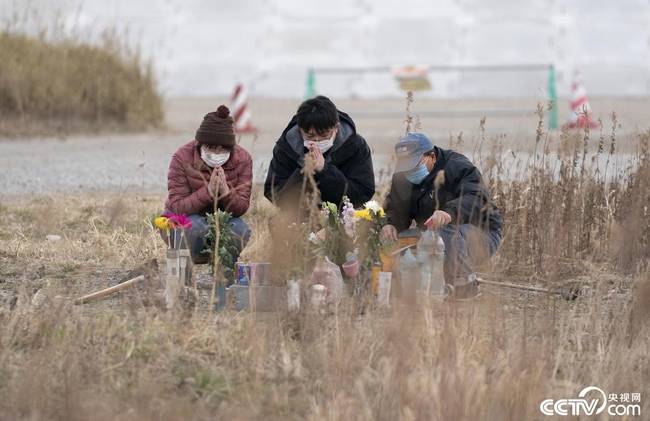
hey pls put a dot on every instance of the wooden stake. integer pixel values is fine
(401, 249)
(515, 286)
(568, 293)
(96, 296)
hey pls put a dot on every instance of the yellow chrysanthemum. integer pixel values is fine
(363, 214)
(381, 212)
(161, 223)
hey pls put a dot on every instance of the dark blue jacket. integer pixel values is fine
(347, 172)
(459, 191)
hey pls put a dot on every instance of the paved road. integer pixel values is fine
(140, 161)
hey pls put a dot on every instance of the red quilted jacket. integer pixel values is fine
(188, 176)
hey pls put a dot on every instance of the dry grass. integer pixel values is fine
(66, 85)
(573, 204)
(495, 358)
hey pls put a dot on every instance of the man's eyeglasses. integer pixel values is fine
(312, 136)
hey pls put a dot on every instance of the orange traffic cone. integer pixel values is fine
(580, 114)
(239, 106)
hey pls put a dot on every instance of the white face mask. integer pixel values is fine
(212, 159)
(323, 145)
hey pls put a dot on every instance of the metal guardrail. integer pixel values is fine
(443, 113)
(525, 67)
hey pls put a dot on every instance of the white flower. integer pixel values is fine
(313, 238)
(373, 206)
(349, 221)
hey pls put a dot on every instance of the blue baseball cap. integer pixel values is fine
(409, 150)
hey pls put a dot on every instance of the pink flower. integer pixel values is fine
(178, 221)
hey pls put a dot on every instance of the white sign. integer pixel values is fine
(412, 78)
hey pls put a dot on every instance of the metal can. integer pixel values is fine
(387, 262)
(243, 273)
(260, 273)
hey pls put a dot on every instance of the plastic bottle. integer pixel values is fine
(172, 279)
(425, 255)
(293, 295)
(318, 296)
(409, 273)
(437, 267)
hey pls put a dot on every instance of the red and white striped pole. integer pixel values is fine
(580, 114)
(239, 107)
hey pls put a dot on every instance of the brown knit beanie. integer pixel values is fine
(217, 128)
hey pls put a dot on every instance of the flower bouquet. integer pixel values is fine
(179, 266)
(172, 227)
(370, 220)
(335, 237)
(349, 231)
(352, 239)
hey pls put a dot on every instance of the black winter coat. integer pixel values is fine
(347, 171)
(460, 192)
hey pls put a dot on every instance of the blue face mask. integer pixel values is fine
(418, 174)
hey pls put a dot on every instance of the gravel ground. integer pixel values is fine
(138, 162)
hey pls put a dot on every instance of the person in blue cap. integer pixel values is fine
(441, 189)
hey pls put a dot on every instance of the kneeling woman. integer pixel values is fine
(211, 167)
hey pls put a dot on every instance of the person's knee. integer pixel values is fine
(200, 225)
(478, 244)
(453, 237)
(196, 238)
(495, 241)
(446, 233)
(240, 230)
